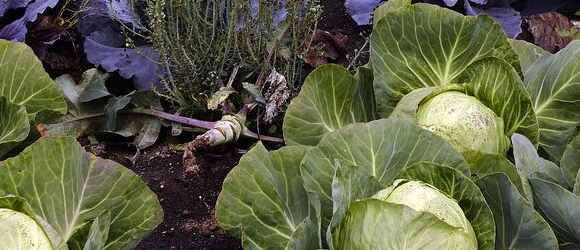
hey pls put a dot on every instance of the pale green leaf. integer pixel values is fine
(496, 84)
(375, 224)
(425, 46)
(461, 189)
(67, 187)
(264, 202)
(328, 100)
(388, 7)
(14, 125)
(528, 53)
(380, 149)
(24, 82)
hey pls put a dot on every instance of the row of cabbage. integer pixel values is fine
(452, 137)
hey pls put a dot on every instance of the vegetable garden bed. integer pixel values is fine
(289, 124)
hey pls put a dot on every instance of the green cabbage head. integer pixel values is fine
(407, 215)
(19, 231)
(464, 122)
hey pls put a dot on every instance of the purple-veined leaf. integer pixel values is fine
(361, 10)
(16, 31)
(105, 48)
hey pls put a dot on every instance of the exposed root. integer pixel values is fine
(228, 129)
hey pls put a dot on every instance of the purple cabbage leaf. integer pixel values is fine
(17, 30)
(106, 48)
(361, 11)
(6, 5)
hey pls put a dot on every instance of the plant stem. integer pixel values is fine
(204, 124)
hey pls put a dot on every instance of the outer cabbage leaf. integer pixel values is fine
(387, 7)
(518, 225)
(561, 208)
(14, 125)
(380, 149)
(570, 162)
(528, 53)
(553, 84)
(24, 82)
(264, 202)
(422, 230)
(530, 164)
(425, 45)
(67, 187)
(485, 164)
(460, 188)
(329, 99)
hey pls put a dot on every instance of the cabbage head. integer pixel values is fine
(19, 231)
(464, 122)
(425, 218)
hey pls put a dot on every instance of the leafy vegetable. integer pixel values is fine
(463, 121)
(407, 181)
(17, 30)
(14, 125)
(331, 98)
(24, 82)
(284, 217)
(21, 232)
(68, 189)
(551, 82)
(106, 48)
(26, 91)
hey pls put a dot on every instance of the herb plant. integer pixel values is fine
(204, 43)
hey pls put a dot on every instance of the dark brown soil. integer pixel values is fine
(188, 201)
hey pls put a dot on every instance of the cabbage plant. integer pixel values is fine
(27, 93)
(54, 195)
(453, 137)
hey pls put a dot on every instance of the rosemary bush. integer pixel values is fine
(203, 42)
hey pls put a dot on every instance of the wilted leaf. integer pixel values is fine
(219, 97)
(545, 29)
